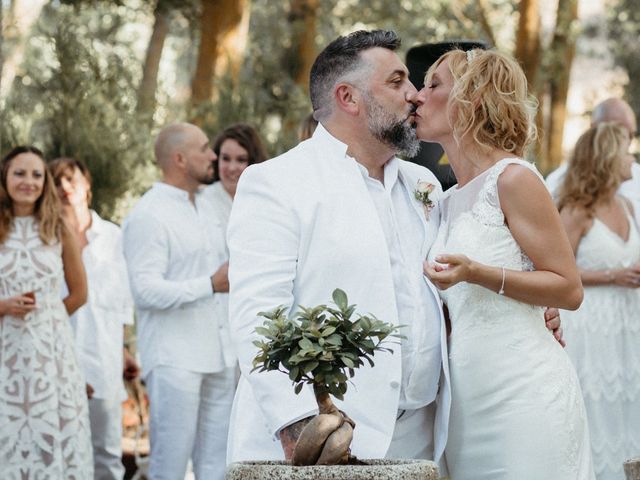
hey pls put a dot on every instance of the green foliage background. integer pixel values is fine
(75, 92)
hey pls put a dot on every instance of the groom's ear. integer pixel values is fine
(347, 98)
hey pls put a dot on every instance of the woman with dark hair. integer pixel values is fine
(44, 424)
(98, 325)
(236, 147)
(603, 335)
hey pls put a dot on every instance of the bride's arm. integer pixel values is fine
(577, 222)
(535, 225)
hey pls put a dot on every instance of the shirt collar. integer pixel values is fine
(172, 191)
(390, 171)
(329, 143)
(336, 147)
(96, 227)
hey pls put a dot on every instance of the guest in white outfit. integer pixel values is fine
(603, 336)
(176, 261)
(617, 111)
(44, 420)
(516, 407)
(339, 210)
(99, 324)
(236, 147)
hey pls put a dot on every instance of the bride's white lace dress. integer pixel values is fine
(517, 411)
(44, 424)
(603, 340)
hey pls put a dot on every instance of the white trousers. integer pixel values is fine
(106, 436)
(189, 418)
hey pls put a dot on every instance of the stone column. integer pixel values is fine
(373, 469)
(632, 469)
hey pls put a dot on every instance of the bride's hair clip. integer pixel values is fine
(470, 55)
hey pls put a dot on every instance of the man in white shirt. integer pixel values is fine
(98, 325)
(617, 111)
(175, 255)
(339, 210)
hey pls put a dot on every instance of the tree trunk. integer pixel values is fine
(223, 32)
(528, 40)
(563, 48)
(1, 54)
(527, 53)
(149, 84)
(302, 20)
(24, 14)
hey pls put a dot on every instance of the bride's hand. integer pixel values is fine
(449, 270)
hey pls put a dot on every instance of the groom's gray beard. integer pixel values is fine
(396, 133)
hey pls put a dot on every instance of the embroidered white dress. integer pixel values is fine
(517, 411)
(603, 341)
(44, 424)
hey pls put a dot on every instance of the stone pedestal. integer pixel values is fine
(375, 469)
(632, 469)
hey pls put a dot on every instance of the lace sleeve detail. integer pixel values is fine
(487, 209)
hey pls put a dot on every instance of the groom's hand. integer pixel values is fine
(552, 319)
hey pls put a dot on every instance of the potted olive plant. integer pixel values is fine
(323, 346)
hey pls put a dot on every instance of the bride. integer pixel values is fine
(501, 254)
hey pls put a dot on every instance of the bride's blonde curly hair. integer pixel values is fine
(596, 168)
(489, 100)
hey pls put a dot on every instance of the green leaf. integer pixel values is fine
(263, 331)
(298, 388)
(309, 367)
(305, 344)
(293, 374)
(340, 299)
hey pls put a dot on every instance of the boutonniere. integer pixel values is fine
(422, 192)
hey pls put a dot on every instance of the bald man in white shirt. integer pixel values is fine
(174, 248)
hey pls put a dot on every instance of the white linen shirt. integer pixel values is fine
(416, 310)
(98, 324)
(172, 248)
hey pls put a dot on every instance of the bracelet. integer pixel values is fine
(501, 291)
(610, 276)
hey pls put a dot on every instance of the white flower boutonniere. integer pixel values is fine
(422, 192)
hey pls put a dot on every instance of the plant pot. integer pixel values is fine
(632, 469)
(374, 469)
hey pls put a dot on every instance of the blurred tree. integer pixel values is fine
(623, 22)
(223, 37)
(21, 17)
(77, 98)
(149, 83)
(162, 15)
(302, 18)
(562, 52)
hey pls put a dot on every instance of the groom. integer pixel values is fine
(339, 210)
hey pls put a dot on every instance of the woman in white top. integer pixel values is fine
(603, 335)
(236, 147)
(44, 423)
(500, 256)
(98, 325)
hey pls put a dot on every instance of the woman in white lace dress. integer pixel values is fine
(44, 425)
(603, 336)
(501, 255)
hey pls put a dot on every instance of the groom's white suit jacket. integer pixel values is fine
(303, 224)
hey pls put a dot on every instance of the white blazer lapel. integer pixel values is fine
(410, 185)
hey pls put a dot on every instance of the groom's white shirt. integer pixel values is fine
(302, 225)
